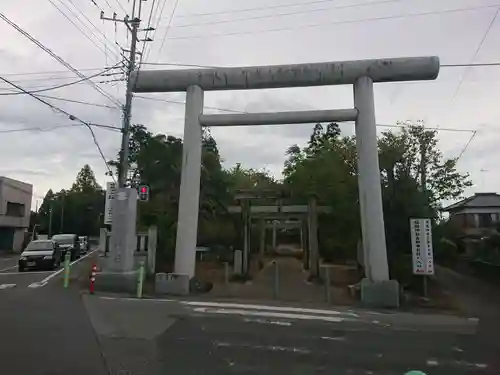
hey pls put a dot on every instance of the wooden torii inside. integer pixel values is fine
(303, 217)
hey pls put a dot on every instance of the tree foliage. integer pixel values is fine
(415, 177)
(77, 210)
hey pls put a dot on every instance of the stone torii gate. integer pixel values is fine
(377, 289)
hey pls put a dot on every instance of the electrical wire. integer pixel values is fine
(178, 64)
(78, 27)
(471, 65)
(60, 86)
(189, 15)
(236, 111)
(70, 116)
(184, 103)
(55, 127)
(157, 24)
(466, 146)
(48, 72)
(483, 39)
(59, 59)
(89, 21)
(428, 128)
(147, 30)
(78, 102)
(168, 28)
(273, 16)
(374, 19)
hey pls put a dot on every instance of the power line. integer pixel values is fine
(49, 72)
(428, 128)
(157, 23)
(70, 116)
(60, 86)
(374, 19)
(168, 28)
(466, 145)
(372, 3)
(189, 15)
(78, 27)
(89, 21)
(471, 65)
(236, 111)
(178, 64)
(488, 29)
(58, 58)
(218, 67)
(78, 102)
(55, 127)
(184, 103)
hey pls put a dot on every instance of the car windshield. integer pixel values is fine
(63, 239)
(40, 246)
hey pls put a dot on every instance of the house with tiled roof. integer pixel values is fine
(475, 216)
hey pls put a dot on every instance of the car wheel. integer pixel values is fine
(20, 269)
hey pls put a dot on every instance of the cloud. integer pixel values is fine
(345, 33)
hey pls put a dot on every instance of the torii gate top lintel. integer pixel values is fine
(296, 75)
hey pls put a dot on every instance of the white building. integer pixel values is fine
(15, 210)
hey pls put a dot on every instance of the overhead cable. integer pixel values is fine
(59, 59)
(70, 116)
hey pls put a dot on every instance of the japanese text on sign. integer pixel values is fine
(421, 240)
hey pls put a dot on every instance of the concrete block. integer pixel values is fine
(116, 282)
(381, 294)
(172, 283)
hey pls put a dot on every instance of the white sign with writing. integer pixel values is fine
(108, 208)
(421, 242)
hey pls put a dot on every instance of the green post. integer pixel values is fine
(67, 258)
(276, 280)
(140, 280)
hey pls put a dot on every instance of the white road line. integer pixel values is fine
(23, 273)
(37, 285)
(46, 280)
(269, 308)
(7, 286)
(273, 348)
(8, 268)
(264, 321)
(268, 314)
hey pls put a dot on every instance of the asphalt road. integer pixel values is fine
(48, 330)
(190, 337)
(45, 330)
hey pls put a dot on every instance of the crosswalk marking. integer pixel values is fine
(269, 314)
(268, 308)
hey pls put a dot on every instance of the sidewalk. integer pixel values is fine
(292, 285)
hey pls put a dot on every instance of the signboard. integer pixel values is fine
(421, 241)
(108, 208)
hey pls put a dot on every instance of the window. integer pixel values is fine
(15, 209)
(485, 220)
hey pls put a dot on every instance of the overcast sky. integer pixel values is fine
(225, 33)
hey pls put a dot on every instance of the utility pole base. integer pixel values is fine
(123, 234)
(380, 294)
(119, 282)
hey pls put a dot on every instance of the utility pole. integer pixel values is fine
(50, 222)
(62, 215)
(423, 182)
(133, 26)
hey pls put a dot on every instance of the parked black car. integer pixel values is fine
(40, 254)
(68, 242)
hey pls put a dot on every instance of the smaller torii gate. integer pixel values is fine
(377, 289)
(306, 215)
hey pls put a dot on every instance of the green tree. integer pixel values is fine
(85, 181)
